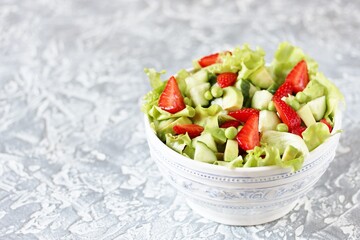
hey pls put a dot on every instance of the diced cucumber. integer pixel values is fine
(203, 153)
(232, 99)
(196, 79)
(318, 107)
(207, 139)
(261, 99)
(231, 150)
(268, 120)
(197, 94)
(201, 76)
(261, 78)
(306, 115)
(247, 90)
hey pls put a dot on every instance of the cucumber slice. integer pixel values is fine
(261, 99)
(196, 79)
(306, 115)
(207, 139)
(231, 150)
(268, 120)
(232, 98)
(261, 78)
(203, 153)
(197, 94)
(318, 107)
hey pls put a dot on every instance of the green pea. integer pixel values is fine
(282, 127)
(216, 91)
(187, 101)
(301, 97)
(231, 132)
(271, 106)
(208, 95)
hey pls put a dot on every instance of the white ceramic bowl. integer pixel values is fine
(241, 196)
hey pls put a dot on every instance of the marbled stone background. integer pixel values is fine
(74, 163)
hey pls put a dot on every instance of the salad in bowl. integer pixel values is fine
(234, 110)
(240, 139)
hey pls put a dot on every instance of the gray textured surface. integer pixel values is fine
(74, 163)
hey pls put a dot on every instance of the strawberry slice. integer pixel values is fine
(243, 114)
(248, 136)
(231, 123)
(171, 99)
(287, 114)
(226, 79)
(298, 130)
(208, 60)
(283, 91)
(327, 124)
(193, 130)
(211, 59)
(298, 77)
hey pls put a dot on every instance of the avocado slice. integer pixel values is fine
(232, 99)
(306, 115)
(166, 126)
(207, 139)
(231, 150)
(314, 89)
(289, 153)
(318, 107)
(261, 78)
(196, 79)
(203, 153)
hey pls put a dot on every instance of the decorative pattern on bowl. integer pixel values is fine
(241, 196)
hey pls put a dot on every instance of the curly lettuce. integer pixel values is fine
(286, 57)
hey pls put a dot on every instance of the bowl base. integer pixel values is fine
(244, 220)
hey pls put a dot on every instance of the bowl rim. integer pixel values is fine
(206, 167)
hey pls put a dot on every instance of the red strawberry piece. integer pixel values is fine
(231, 123)
(287, 114)
(226, 79)
(208, 60)
(284, 90)
(243, 114)
(193, 130)
(298, 77)
(327, 124)
(171, 99)
(298, 130)
(248, 136)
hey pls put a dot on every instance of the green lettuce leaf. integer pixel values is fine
(295, 164)
(177, 142)
(242, 60)
(155, 77)
(315, 135)
(281, 140)
(286, 57)
(262, 156)
(207, 116)
(152, 97)
(180, 79)
(157, 113)
(237, 162)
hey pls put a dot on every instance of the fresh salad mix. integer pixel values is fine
(234, 110)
